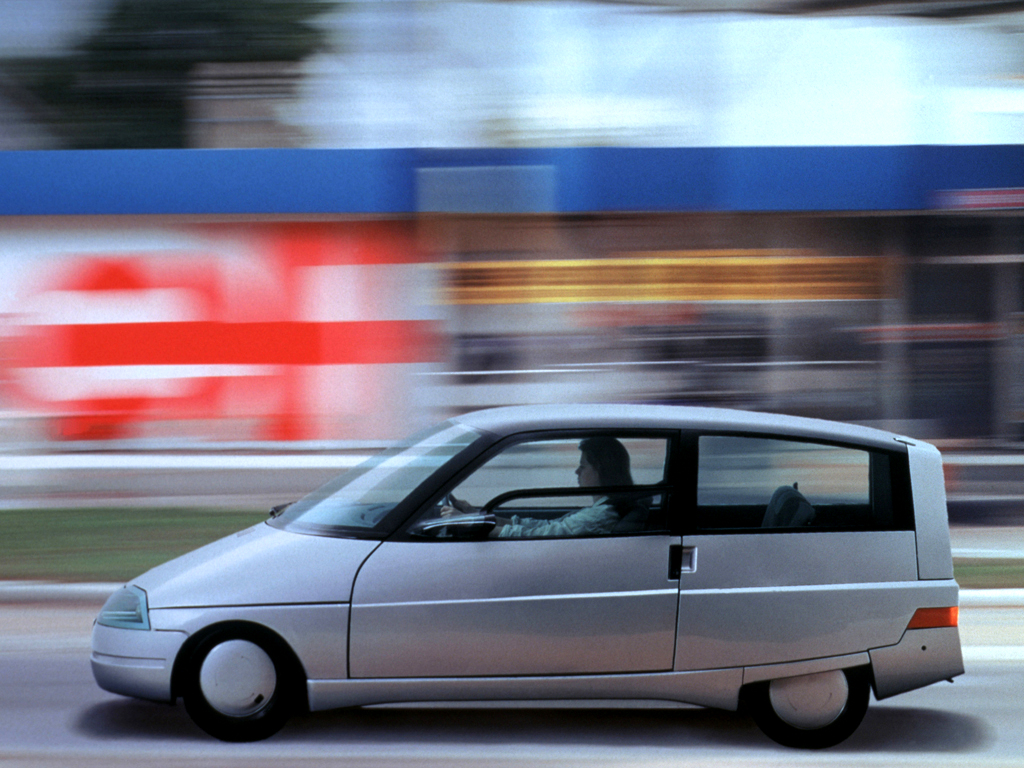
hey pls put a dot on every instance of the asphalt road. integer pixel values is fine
(53, 714)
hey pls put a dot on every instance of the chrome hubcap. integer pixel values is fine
(237, 678)
(810, 701)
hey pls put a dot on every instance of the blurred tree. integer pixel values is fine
(127, 85)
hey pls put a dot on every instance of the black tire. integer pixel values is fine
(241, 683)
(835, 722)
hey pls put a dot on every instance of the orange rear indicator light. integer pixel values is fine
(930, 618)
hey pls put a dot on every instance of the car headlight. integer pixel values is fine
(125, 609)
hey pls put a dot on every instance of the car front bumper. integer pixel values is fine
(135, 662)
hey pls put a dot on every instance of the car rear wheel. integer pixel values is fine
(241, 685)
(810, 711)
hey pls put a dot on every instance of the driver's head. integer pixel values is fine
(609, 459)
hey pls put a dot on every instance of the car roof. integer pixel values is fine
(512, 420)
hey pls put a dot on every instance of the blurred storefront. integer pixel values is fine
(348, 329)
(214, 331)
(436, 206)
(907, 321)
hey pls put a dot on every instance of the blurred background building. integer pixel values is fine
(286, 220)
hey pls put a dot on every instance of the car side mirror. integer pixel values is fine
(475, 526)
(276, 511)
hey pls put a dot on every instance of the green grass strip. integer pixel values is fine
(106, 544)
(117, 544)
(989, 573)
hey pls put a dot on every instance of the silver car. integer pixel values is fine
(780, 566)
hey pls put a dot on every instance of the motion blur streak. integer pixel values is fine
(232, 325)
(379, 214)
(650, 277)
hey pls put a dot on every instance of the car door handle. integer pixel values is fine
(681, 560)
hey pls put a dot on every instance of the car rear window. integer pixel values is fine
(773, 484)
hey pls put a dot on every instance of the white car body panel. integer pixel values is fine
(714, 688)
(260, 565)
(934, 556)
(455, 609)
(774, 625)
(757, 599)
(135, 663)
(922, 657)
(317, 633)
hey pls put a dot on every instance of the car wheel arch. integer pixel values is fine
(755, 700)
(243, 630)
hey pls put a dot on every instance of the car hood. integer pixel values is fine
(260, 565)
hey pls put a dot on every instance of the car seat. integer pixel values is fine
(788, 508)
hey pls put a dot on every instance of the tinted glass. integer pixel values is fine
(512, 485)
(752, 482)
(360, 498)
(553, 464)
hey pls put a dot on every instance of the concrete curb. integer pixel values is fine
(42, 592)
(992, 598)
(45, 591)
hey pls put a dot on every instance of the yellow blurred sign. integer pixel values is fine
(719, 275)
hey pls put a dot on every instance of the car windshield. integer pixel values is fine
(360, 498)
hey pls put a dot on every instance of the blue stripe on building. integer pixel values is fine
(569, 180)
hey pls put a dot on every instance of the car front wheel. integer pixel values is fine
(810, 711)
(241, 684)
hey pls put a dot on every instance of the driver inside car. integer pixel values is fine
(604, 461)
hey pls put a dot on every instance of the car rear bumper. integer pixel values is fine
(922, 657)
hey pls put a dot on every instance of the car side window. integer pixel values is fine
(572, 486)
(773, 484)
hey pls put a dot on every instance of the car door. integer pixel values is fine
(824, 577)
(583, 602)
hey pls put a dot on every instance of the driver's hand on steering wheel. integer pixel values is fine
(455, 506)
